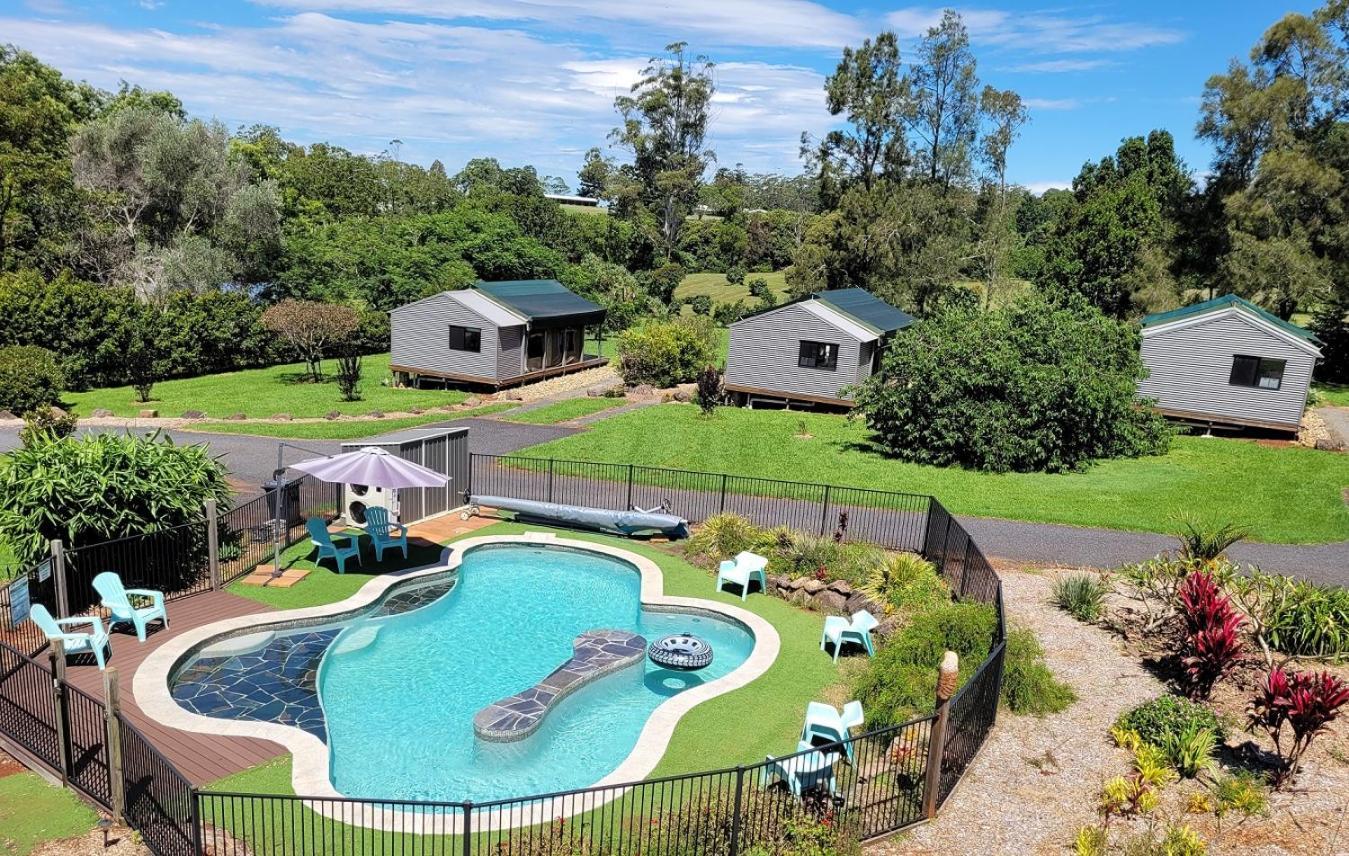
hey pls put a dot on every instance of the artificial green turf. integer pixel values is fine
(1289, 495)
(567, 410)
(33, 812)
(353, 430)
(721, 290)
(259, 393)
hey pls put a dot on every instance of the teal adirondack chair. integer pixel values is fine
(383, 533)
(325, 544)
(95, 641)
(116, 598)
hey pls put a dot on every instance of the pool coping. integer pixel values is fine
(310, 756)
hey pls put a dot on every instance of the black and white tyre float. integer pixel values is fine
(682, 651)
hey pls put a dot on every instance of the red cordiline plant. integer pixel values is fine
(1304, 702)
(1213, 633)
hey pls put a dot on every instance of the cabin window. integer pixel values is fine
(818, 355)
(1259, 372)
(465, 338)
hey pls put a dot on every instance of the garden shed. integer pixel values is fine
(494, 334)
(444, 450)
(811, 350)
(1227, 362)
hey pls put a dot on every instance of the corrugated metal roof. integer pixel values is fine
(542, 299)
(845, 323)
(493, 311)
(1224, 302)
(407, 435)
(866, 309)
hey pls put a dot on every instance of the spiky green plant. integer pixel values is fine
(1081, 595)
(1202, 542)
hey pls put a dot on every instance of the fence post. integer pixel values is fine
(629, 505)
(824, 512)
(550, 479)
(59, 578)
(723, 494)
(936, 744)
(58, 664)
(735, 815)
(194, 817)
(468, 828)
(212, 545)
(112, 706)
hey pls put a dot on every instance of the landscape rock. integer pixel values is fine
(332, 414)
(1330, 444)
(100, 413)
(859, 601)
(5, 414)
(643, 390)
(683, 395)
(237, 417)
(376, 414)
(797, 584)
(416, 411)
(780, 582)
(842, 587)
(472, 401)
(193, 414)
(800, 598)
(148, 414)
(830, 601)
(886, 628)
(814, 586)
(282, 417)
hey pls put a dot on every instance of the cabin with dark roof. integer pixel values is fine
(1227, 362)
(493, 334)
(810, 351)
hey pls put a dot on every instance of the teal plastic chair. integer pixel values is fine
(825, 722)
(325, 544)
(809, 769)
(841, 631)
(95, 641)
(116, 598)
(384, 533)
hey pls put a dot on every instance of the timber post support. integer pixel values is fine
(112, 706)
(936, 746)
(212, 545)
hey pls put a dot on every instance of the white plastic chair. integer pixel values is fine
(740, 570)
(839, 631)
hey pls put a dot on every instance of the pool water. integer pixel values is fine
(399, 692)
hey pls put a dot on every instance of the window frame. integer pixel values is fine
(830, 349)
(1259, 369)
(464, 337)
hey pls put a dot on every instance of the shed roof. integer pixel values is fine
(1228, 301)
(542, 300)
(865, 308)
(501, 316)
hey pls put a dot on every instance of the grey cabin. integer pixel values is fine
(1227, 362)
(493, 334)
(810, 350)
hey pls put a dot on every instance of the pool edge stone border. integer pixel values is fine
(310, 756)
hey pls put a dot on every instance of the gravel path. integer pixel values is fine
(1034, 783)
(1337, 423)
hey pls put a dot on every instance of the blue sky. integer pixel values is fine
(533, 81)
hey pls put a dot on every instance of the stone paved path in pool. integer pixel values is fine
(594, 653)
(278, 683)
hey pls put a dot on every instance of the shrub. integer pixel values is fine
(1028, 687)
(662, 282)
(1309, 620)
(349, 377)
(46, 424)
(906, 581)
(709, 389)
(1081, 595)
(701, 304)
(1302, 702)
(1205, 543)
(1213, 633)
(729, 313)
(665, 353)
(1191, 751)
(1030, 387)
(758, 287)
(735, 275)
(721, 536)
(1242, 792)
(29, 378)
(1155, 721)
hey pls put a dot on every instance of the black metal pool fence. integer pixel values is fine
(891, 781)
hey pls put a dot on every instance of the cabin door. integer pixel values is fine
(534, 347)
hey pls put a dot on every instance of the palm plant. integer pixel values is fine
(1204, 543)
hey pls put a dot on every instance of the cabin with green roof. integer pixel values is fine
(812, 350)
(1228, 363)
(493, 334)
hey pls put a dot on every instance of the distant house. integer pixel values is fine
(811, 350)
(494, 334)
(568, 199)
(1226, 361)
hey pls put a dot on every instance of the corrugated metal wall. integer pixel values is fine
(764, 352)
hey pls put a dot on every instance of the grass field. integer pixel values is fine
(567, 410)
(33, 812)
(344, 430)
(715, 286)
(1332, 393)
(1290, 495)
(259, 393)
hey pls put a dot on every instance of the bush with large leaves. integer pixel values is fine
(104, 487)
(1035, 386)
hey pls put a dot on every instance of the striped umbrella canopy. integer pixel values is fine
(372, 466)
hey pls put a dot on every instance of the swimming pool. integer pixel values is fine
(390, 688)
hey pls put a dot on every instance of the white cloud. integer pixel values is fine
(1039, 187)
(1052, 103)
(1059, 66)
(780, 23)
(1040, 32)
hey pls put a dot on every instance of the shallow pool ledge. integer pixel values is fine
(310, 762)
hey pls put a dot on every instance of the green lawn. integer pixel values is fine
(33, 812)
(567, 410)
(1288, 495)
(1333, 393)
(260, 393)
(716, 286)
(344, 430)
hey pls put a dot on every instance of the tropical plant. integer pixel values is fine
(1155, 721)
(1090, 841)
(46, 424)
(1302, 703)
(1213, 633)
(709, 389)
(1241, 792)
(1081, 595)
(721, 536)
(1190, 751)
(1200, 542)
(1309, 620)
(905, 581)
(29, 378)
(349, 377)
(1153, 586)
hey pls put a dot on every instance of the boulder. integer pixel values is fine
(800, 598)
(643, 390)
(683, 395)
(282, 417)
(472, 401)
(842, 587)
(886, 628)
(416, 411)
(148, 414)
(101, 413)
(193, 414)
(779, 582)
(859, 601)
(376, 414)
(332, 414)
(5, 414)
(830, 601)
(797, 584)
(1330, 444)
(237, 417)
(814, 586)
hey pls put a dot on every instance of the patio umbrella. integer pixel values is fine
(374, 467)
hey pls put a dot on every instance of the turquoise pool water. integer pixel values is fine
(399, 692)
